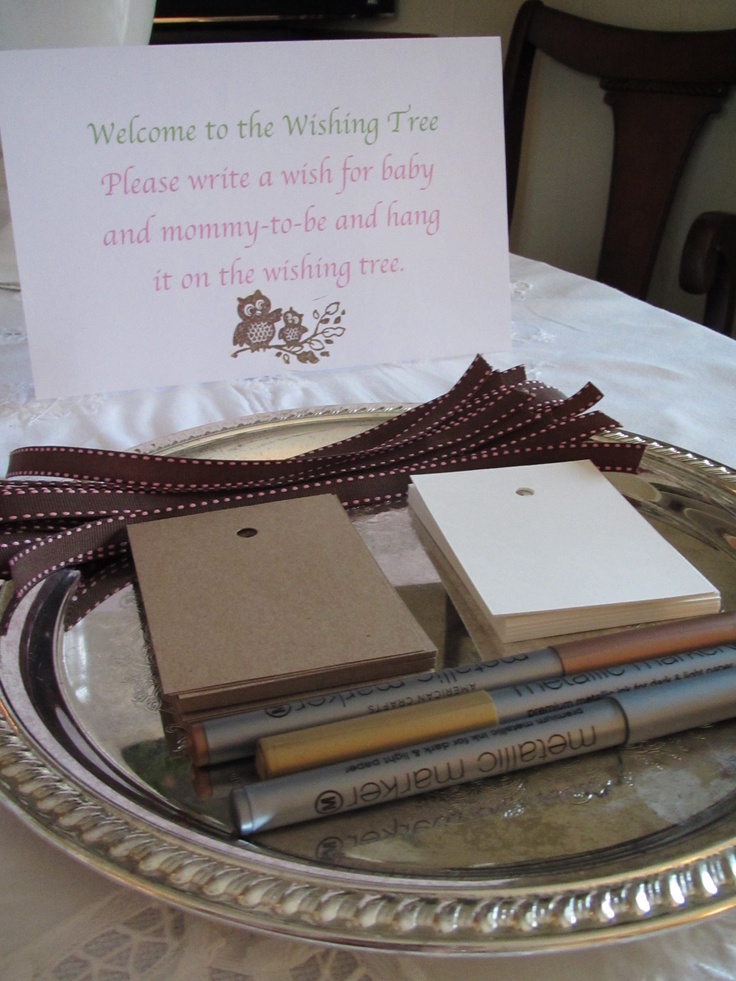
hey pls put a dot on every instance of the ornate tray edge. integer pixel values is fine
(258, 891)
(459, 918)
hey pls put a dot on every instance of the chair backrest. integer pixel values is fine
(661, 86)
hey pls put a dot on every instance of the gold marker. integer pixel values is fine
(305, 749)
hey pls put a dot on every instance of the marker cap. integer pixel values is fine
(678, 705)
(640, 643)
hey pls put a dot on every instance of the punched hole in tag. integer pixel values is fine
(247, 533)
(524, 491)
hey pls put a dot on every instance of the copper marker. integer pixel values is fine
(617, 720)
(235, 736)
(305, 749)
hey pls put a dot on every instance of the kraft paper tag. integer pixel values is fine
(268, 601)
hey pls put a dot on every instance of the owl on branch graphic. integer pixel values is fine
(259, 323)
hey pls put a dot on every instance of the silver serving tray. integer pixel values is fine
(589, 850)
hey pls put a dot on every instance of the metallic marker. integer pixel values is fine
(628, 717)
(290, 752)
(230, 737)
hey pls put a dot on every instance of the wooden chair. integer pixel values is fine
(708, 266)
(661, 86)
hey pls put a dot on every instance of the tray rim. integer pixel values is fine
(51, 792)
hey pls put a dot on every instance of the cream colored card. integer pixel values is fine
(555, 548)
(195, 213)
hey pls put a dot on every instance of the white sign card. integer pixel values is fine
(216, 212)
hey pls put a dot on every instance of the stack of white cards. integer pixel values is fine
(555, 549)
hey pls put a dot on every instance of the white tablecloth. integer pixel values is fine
(662, 376)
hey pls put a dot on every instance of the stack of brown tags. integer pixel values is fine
(79, 504)
(266, 602)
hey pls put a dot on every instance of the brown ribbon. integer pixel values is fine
(76, 509)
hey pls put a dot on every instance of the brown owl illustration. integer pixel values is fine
(258, 321)
(293, 329)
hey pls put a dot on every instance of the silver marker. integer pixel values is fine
(628, 717)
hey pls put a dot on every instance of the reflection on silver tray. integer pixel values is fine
(605, 846)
